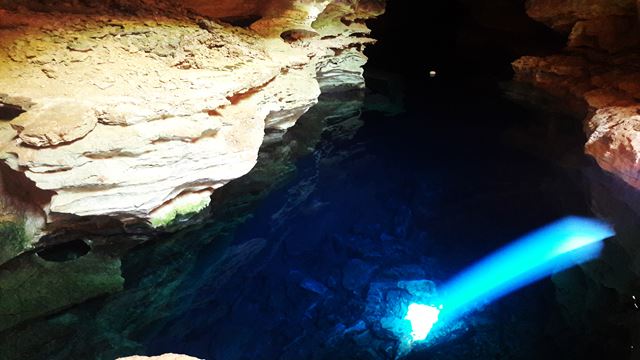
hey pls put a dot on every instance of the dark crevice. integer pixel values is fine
(294, 35)
(241, 21)
(68, 251)
(9, 112)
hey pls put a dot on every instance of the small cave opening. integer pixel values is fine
(349, 22)
(294, 35)
(241, 21)
(9, 112)
(64, 252)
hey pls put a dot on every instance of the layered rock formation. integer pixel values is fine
(138, 114)
(600, 69)
(112, 329)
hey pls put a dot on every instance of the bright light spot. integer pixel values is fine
(555, 247)
(422, 318)
(432, 73)
(575, 243)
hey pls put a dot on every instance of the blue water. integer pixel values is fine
(418, 195)
(304, 257)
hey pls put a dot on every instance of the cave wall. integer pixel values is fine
(122, 119)
(138, 110)
(599, 67)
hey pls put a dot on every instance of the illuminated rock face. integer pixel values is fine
(599, 68)
(142, 117)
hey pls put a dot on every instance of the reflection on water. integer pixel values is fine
(301, 258)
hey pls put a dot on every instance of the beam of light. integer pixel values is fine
(555, 247)
(422, 318)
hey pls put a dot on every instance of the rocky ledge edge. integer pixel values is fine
(598, 70)
(130, 117)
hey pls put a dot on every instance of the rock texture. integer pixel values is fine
(112, 330)
(138, 111)
(599, 68)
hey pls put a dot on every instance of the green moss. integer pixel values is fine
(179, 212)
(31, 287)
(13, 240)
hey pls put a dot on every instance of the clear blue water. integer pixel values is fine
(291, 260)
(418, 195)
(285, 265)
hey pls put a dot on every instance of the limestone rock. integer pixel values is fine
(611, 33)
(599, 69)
(563, 14)
(609, 25)
(55, 122)
(615, 141)
(611, 95)
(141, 121)
(74, 282)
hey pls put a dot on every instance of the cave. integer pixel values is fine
(66, 251)
(279, 179)
(9, 112)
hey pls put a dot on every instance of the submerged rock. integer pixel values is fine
(53, 286)
(356, 275)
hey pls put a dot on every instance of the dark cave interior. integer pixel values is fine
(406, 181)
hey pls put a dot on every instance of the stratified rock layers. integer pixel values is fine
(141, 118)
(599, 67)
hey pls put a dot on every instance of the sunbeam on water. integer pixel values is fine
(555, 247)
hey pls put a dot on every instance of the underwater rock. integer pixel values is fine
(314, 286)
(356, 274)
(53, 286)
(421, 289)
(386, 308)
